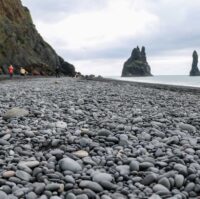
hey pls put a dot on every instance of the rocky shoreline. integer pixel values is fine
(79, 139)
(168, 87)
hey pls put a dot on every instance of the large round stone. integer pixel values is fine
(179, 180)
(182, 169)
(187, 127)
(81, 153)
(99, 177)
(23, 175)
(158, 188)
(91, 185)
(165, 182)
(15, 112)
(70, 196)
(8, 174)
(104, 132)
(70, 165)
(150, 178)
(3, 195)
(61, 124)
(30, 164)
(134, 165)
(123, 169)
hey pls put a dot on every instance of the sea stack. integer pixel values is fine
(22, 45)
(137, 64)
(195, 70)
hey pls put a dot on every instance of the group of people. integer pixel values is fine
(23, 72)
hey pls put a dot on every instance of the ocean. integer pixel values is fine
(179, 80)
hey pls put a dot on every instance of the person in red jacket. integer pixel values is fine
(11, 70)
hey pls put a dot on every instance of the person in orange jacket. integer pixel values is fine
(11, 70)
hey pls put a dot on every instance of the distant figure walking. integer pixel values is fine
(11, 70)
(77, 75)
(22, 71)
(57, 72)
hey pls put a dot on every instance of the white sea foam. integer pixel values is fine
(179, 80)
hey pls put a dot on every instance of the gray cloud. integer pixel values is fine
(164, 44)
(54, 10)
(178, 29)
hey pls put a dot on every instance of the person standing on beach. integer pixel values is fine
(11, 70)
(57, 72)
(22, 71)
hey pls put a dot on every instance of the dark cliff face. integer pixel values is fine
(195, 70)
(137, 64)
(22, 45)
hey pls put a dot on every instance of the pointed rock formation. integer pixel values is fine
(195, 70)
(137, 64)
(22, 45)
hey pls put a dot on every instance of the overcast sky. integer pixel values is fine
(97, 36)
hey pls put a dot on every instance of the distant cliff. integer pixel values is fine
(195, 70)
(137, 64)
(22, 45)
